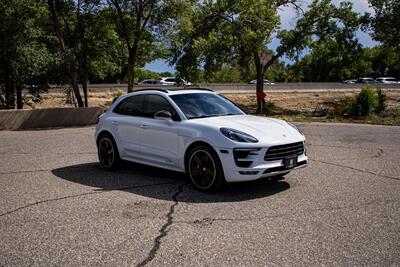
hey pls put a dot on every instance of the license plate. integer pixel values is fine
(290, 162)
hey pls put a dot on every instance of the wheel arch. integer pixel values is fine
(102, 133)
(194, 144)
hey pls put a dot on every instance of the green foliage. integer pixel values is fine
(381, 101)
(119, 93)
(385, 21)
(25, 58)
(365, 103)
(227, 74)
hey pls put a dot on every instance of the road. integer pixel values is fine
(243, 87)
(58, 208)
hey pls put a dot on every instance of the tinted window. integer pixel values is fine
(132, 106)
(157, 103)
(201, 105)
(170, 80)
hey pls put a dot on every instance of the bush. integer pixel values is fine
(119, 92)
(365, 103)
(381, 101)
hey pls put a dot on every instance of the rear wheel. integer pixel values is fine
(107, 152)
(204, 169)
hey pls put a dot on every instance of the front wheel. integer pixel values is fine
(107, 152)
(204, 169)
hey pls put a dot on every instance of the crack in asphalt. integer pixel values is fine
(164, 228)
(356, 169)
(209, 221)
(93, 192)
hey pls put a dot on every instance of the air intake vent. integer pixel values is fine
(282, 151)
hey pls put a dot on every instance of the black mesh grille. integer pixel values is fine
(282, 151)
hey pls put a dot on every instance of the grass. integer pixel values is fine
(291, 106)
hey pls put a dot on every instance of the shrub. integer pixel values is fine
(367, 100)
(365, 103)
(381, 101)
(119, 92)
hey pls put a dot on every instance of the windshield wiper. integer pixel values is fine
(202, 116)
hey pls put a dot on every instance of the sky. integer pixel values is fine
(288, 19)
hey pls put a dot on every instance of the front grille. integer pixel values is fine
(282, 151)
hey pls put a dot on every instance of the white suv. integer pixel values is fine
(387, 80)
(200, 133)
(171, 81)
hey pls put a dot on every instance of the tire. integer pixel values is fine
(107, 152)
(205, 169)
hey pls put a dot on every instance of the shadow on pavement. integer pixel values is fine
(161, 184)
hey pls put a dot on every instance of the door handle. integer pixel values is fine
(114, 123)
(144, 126)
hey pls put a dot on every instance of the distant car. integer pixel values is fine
(265, 82)
(171, 81)
(387, 80)
(350, 81)
(148, 82)
(198, 132)
(366, 80)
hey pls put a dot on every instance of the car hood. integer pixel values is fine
(266, 130)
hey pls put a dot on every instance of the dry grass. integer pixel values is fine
(300, 106)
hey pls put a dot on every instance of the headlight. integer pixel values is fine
(295, 127)
(238, 136)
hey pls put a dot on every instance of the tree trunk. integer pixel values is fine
(73, 76)
(131, 67)
(260, 84)
(131, 71)
(85, 92)
(20, 103)
(8, 83)
(72, 73)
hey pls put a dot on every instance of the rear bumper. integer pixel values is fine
(259, 169)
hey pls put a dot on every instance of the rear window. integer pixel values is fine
(133, 106)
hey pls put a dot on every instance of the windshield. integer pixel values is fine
(203, 105)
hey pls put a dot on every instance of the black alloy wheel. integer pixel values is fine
(107, 152)
(205, 170)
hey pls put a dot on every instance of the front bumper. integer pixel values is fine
(258, 169)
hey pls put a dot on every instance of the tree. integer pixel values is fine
(87, 41)
(24, 58)
(220, 31)
(139, 24)
(385, 23)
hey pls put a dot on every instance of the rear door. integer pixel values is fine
(127, 122)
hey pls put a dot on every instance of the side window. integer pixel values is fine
(170, 80)
(157, 103)
(132, 106)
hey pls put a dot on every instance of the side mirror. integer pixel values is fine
(163, 115)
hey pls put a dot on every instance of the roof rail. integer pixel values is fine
(151, 89)
(199, 88)
(166, 90)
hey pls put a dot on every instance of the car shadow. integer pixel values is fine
(162, 184)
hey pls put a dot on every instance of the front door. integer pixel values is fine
(159, 137)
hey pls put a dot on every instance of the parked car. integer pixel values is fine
(147, 82)
(198, 132)
(366, 80)
(387, 80)
(265, 82)
(350, 81)
(171, 81)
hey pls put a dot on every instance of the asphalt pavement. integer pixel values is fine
(59, 208)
